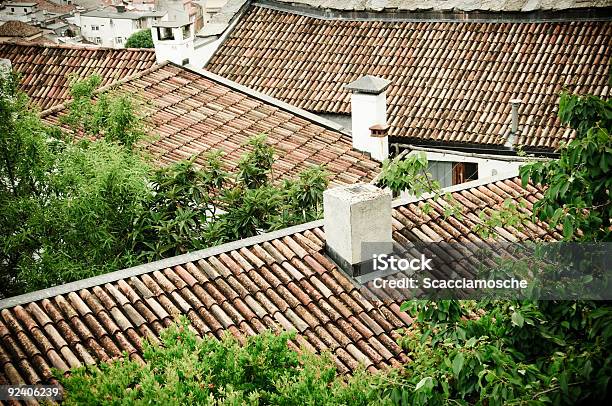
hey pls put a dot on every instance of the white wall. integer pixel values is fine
(113, 32)
(18, 10)
(487, 167)
(440, 167)
(176, 50)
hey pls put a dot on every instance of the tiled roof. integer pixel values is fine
(451, 81)
(18, 29)
(45, 69)
(281, 279)
(193, 112)
(53, 7)
(463, 5)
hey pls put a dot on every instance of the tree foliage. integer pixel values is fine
(506, 352)
(186, 370)
(140, 39)
(580, 181)
(520, 352)
(87, 200)
(408, 174)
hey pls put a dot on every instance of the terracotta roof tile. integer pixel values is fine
(164, 106)
(311, 297)
(451, 81)
(18, 29)
(45, 69)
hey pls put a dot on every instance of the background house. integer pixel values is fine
(112, 26)
(17, 30)
(474, 77)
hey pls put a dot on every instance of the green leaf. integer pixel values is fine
(568, 228)
(425, 383)
(458, 363)
(517, 319)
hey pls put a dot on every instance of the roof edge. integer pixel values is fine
(154, 266)
(451, 15)
(268, 99)
(64, 105)
(456, 188)
(88, 47)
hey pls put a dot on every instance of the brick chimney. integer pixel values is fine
(369, 110)
(357, 222)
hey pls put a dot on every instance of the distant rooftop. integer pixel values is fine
(451, 81)
(18, 29)
(44, 69)
(447, 5)
(111, 12)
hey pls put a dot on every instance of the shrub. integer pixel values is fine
(187, 370)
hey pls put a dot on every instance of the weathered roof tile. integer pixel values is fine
(451, 81)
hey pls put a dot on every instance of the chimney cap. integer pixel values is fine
(368, 84)
(379, 130)
(515, 101)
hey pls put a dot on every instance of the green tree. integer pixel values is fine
(579, 183)
(186, 370)
(521, 351)
(85, 201)
(140, 39)
(102, 115)
(25, 159)
(97, 190)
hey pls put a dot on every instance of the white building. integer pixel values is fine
(20, 8)
(174, 41)
(112, 26)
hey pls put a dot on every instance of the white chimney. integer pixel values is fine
(174, 41)
(369, 109)
(514, 103)
(357, 221)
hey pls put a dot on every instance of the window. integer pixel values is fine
(164, 33)
(441, 171)
(95, 28)
(12, 9)
(119, 40)
(25, 10)
(97, 40)
(187, 31)
(464, 172)
(452, 173)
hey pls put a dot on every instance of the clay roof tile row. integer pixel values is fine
(451, 82)
(285, 282)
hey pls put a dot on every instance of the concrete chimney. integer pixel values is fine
(368, 109)
(514, 103)
(357, 221)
